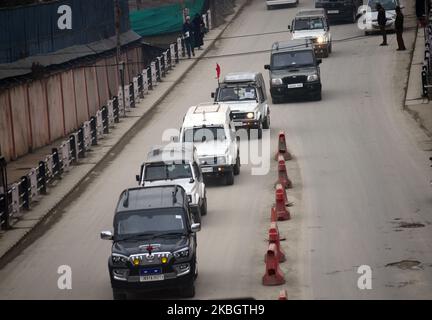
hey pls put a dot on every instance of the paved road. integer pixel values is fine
(363, 174)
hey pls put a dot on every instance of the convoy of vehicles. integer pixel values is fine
(154, 238)
(313, 25)
(245, 94)
(294, 71)
(154, 242)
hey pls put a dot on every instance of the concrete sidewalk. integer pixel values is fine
(420, 108)
(48, 206)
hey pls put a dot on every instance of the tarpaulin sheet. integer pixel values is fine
(164, 19)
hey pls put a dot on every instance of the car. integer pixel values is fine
(176, 163)
(340, 10)
(370, 16)
(294, 70)
(313, 25)
(211, 129)
(273, 3)
(153, 243)
(245, 93)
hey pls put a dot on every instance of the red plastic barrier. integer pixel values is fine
(282, 147)
(282, 213)
(273, 274)
(275, 238)
(282, 173)
(283, 295)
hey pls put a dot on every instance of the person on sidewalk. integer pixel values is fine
(399, 28)
(382, 20)
(199, 27)
(188, 37)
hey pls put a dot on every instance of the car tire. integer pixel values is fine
(229, 178)
(318, 96)
(236, 169)
(197, 215)
(117, 295)
(204, 206)
(260, 130)
(367, 33)
(266, 123)
(189, 290)
(325, 53)
(354, 16)
(269, 7)
(276, 100)
(330, 48)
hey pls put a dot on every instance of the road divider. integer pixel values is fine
(283, 178)
(273, 274)
(273, 237)
(282, 148)
(282, 213)
(283, 295)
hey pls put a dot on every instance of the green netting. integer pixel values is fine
(161, 20)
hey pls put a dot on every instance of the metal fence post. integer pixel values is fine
(116, 111)
(4, 199)
(57, 170)
(42, 177)
(81, 143)
(105, 123)
(25, 191)
(93, 131)
(176, 50)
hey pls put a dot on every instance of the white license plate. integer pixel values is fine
(295, 85)
(155, 277)
(332, 11)
(206, 170)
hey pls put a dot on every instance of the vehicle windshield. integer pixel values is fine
(312, 23)
(203, 134)
(237, 93)
(165, 171)
(387, 4)
(148, 222)
(285, 60)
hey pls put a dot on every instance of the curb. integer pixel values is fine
(52, 215)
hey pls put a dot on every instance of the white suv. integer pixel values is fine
(176, 163)
(245, 93)
(210, 128)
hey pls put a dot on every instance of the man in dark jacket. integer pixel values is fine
(382, 20)
(198, 24)
(399, 28)
(188, 37)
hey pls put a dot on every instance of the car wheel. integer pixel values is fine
(266, 123)
(236, 169)
(354, 16)
(276, 100)
(269, 7)
(204, 207)
(367, 33)
(260, 129)
(229, 178)
(325, 53)
(119, 295)
(189, 290)
(197, 215)
(318, 96)
(330, 48)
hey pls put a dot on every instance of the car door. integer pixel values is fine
(199, 178)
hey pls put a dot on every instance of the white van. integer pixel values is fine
(210, 128)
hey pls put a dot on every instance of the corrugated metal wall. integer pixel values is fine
(31, 30)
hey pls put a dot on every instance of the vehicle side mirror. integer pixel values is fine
(195, 227)
(319, 61)
(175, 139)
(106, 235)
(267, 66)
(192, 180)
(213, 95)
(137, 177)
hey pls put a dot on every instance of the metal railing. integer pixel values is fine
(426, 73)
(20, 195)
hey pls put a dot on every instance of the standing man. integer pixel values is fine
(188, 36)
(399, 28)
(382, 20)
(199, 27)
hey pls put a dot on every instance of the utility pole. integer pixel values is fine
(120, 64)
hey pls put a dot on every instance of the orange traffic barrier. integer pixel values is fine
(282, 173)
(282, 147)
(282, 213)
(283, 295)
(273, 274)
(273, 216)
(274, 237)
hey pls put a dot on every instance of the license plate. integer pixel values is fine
(333, 11)
(206, 170)
(154, 277)
(295, 85)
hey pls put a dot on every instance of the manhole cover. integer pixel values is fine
(405, 264)
(411, 225)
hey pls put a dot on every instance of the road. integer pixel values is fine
(363, 173)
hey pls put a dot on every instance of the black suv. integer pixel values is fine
(340, 10)
(294, 70)
(154, 242)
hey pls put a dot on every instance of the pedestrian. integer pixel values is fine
(399, 28)
(382, 20)
(199, 27)
(188, 37)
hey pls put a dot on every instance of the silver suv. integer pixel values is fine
(176, 163)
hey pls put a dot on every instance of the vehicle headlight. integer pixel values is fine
(182, 253)
(119, 259)
(312, 77)
(276, 81)
(221, 160)
(321, 39)
(250, 115)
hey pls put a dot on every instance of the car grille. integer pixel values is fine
(208, 160)
(294, 79)
(239, 115)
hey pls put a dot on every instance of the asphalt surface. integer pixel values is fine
(363, 174)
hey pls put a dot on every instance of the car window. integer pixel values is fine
(237, 93)
(202, 134)
(149, 221)
(309, 23)
(387, 4)
(292, 59)
(167, 171)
